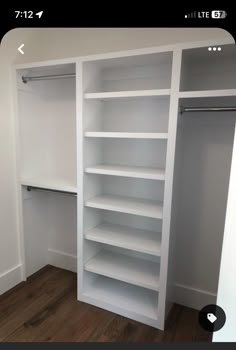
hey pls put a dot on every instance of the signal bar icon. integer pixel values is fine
(216, 14)
(191, 15)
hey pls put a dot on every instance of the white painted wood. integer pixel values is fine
(207, 93)
(127, 94)
(143, 114)
(49, 184)
(143, 241)
(128, 297)
(134, 76)
(62, 260)
(133, 221)
(135, 206)
(122, 134)
(128, 152)
(130, 135)
(10, 278)
(139, 172)
(80, 176)
(136, 271)
(19, 204)
(192, 297)
(170, 157)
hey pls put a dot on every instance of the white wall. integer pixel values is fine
(227, 286)
(43, 44)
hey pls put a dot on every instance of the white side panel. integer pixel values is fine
(163, 295)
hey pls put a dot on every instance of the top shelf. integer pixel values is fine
(127, 94)
(208, 93)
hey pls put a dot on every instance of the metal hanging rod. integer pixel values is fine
(40, 189)
(207, 109)
(47, 77)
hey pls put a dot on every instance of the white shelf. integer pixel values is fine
(127, 94)
(207, 93)
(50, 184)
(128, 171)
(130, 135)
(136, 271)
(136, 206)
(125, 296)
(126, 237)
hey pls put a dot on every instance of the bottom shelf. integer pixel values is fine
(135, 299)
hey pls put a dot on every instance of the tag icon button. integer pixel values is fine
(211, 317)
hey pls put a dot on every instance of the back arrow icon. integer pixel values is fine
(20, 49)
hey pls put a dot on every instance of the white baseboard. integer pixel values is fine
(10, 278)
(192, 297)
(63, 260)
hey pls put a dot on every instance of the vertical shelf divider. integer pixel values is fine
(164, 294)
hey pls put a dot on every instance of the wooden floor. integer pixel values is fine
(45, 309)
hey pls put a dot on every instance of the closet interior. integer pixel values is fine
(110, 133)
(203, 159)
(47, 165)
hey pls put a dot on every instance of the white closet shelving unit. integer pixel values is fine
(124, 131)
(109, 136)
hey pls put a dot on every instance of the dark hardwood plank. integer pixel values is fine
(172, 323)
(45, 309)
(113, 329)
(33, 298)
(187, 327)
(45, 322)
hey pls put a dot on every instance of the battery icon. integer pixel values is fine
(218, 14)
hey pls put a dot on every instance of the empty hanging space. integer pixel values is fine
(50, 229)
(202, 170)
(47, 127)
(204, 70)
